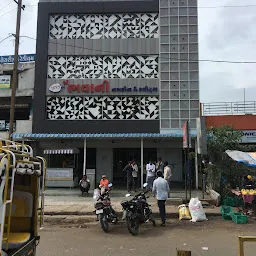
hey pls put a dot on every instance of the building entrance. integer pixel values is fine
(121, 156)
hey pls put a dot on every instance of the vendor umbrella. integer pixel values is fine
(247, 158)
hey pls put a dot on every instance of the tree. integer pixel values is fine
(218, 141)
(221, 139)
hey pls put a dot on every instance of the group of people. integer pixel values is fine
(152, 170)
(158, 179)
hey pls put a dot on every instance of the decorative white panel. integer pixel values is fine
(102, 108)
(72, 67)
(96, 26)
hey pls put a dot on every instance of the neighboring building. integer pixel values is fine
(240, 115)
(24, 94)
(123, 75)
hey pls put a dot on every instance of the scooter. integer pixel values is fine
(104, 211)
(137, 211)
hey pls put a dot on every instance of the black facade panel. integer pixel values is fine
(40, 123)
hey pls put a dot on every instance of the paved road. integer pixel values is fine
(212, 238)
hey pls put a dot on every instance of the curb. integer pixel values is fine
(89, 214)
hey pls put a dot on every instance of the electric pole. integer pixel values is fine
(15, 67)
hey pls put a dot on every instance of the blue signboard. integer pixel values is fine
(9, 59)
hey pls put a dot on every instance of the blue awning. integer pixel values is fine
(95, 135)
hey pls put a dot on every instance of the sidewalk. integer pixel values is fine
(70, 202)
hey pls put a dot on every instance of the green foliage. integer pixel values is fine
(218, 141)
(222, 139)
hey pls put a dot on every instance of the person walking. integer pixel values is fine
(151, 168)
(128, 169)
(161, 192)
(135, 175)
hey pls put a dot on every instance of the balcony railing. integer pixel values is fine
(228, 108)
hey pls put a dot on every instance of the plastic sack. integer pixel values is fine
(184, 213)
(96, 193)
(196, 210)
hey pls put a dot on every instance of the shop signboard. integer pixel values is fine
(9, 59)
(59, 174)
(103, 87)
(248, 136)
(5, 81)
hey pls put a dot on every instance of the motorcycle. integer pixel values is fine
(137, 211)
(104, 211)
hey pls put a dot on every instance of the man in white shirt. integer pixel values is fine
(167, 173)
(150, 168)
(161, 192)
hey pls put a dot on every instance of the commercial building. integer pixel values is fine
(114, 80)
(240, 115)
(24, 94)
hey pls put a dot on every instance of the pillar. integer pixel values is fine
(196, 163)
(84, 166)
(141, 162)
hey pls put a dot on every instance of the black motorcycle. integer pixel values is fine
(104, 211)
(137, 211)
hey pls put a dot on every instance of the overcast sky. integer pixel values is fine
(224, 34)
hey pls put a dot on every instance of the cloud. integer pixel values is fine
(224, 34)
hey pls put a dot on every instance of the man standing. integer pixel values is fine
(135, 175)
(167, 172)
(150, 167)
(160, 165)
(161, 192)
(128, 169)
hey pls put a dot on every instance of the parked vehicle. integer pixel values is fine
(137, 211)
(104, 211)
(22, 190)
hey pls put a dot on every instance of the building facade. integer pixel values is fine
(24, 94)
(111, 67)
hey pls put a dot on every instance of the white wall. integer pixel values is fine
(23, 126)
(25, 82)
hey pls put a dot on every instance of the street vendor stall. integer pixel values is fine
(248, 189)
(62, 167)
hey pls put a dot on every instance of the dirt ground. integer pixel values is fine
(214, 237)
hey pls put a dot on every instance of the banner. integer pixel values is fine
(201, 136)
(5, 82)
(185, 135)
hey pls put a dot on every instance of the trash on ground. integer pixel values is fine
(196, 210)
(184, 213)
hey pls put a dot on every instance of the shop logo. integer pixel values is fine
(56, 88)
(89, 88)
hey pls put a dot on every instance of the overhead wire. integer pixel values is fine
(6, 5)
(125, 54)
(8, 12)
(203, 7)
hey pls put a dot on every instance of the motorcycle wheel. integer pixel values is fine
(152, 220)
(132, 225)
(104, 222)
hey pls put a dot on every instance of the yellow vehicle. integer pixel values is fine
(22, 190)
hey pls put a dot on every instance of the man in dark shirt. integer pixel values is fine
(128, 169)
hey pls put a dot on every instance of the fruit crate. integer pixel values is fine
(229, 201)
(226, 212)
(239, 218)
